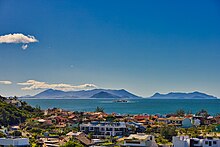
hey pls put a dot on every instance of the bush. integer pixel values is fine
(72, 144)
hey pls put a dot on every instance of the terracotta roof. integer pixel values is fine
(162, 119)
(175, 118)
(141, 116)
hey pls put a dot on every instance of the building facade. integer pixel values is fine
(185, 141)
(15, 142)
(103, 129)
(139, 140)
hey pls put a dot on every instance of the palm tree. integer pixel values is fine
(99, 109)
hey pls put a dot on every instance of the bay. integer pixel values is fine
(133, 106)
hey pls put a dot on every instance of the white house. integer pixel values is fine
(16, 142)
(185, 141)
(196, 122)
(211, 143)
(181, 141)
(103, 129)
(140, 140)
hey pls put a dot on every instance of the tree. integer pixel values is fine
(110, 118)
(149, 130)
(204, 113)
(90, 135)
(168, 132)
(2, 135)
(180, 112)
(99, 109)
(15, 98)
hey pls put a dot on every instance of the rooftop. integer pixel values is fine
(139, 136)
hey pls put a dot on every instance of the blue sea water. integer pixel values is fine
(133, 106)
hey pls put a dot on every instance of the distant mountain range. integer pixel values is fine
(179, 95)
(109, 93)
(95, 93)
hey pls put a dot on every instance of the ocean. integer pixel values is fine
(133, 106)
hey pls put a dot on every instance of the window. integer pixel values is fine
(102, 129)
(108, 129)
(132, 141)
(196, 141)
(206, 142)
(214, 142)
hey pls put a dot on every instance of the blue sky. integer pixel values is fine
(142, 46)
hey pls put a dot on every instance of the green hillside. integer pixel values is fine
(11, 114)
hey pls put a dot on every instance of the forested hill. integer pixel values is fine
(13, 111)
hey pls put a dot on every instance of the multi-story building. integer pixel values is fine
(15, 142)
(185, 141)
(103, 129)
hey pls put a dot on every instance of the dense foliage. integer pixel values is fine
(11, 114)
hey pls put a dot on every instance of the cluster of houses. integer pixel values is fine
(184, 122)
(100, 126)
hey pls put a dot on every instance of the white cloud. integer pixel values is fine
(24, 46)
(6, 82)
(36, 85)
(18, 38)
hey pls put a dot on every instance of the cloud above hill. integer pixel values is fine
(18, 38)
(36, 85)
(6, 82)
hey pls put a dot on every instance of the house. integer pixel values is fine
(136, 127)
(186, 123)
(51, 141)
(16, 142)
(139, 140)
(200, 118)
(175, 120)
(217, 119)
(211, 142)
(196, 122)
(104, 129)
(141, 118)
(185, 141)
(60, 119)
(162, 120)
(180, 141)
(14, 102)
(81, 137)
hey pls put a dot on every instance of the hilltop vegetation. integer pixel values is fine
(13, 111)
